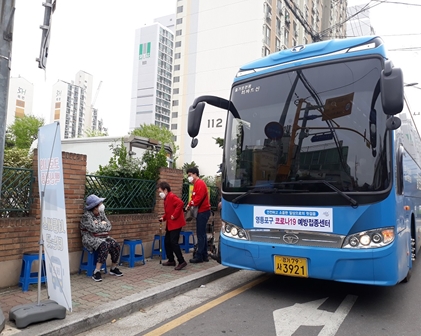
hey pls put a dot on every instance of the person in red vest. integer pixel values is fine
(174, 216)
(200, 198)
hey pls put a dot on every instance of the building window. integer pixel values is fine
(178, 44)
(177, 55)
(176, 79)
(176, 91)
(179, 32)
(180, 9)
(173, 126)
(174, 115)
(176, 67)
(179, 21)
(175, 103)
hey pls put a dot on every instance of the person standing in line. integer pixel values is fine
(200, 198)
(95, 228)
(174, 216)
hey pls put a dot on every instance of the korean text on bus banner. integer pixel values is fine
(293, 218)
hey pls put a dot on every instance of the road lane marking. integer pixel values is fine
(200, 310)
(289, 319)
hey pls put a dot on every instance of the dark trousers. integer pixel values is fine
(109, 246)
(171, 245)
(202, 243)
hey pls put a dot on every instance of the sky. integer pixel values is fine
(97, 36)
(399, 26)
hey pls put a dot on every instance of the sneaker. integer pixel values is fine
(196, 261)
(97, 276)
(115, 271)
(168, 263)
(180, 266)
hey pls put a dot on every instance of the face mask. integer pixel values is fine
(101, 207)
(190, 179)
(162, 195)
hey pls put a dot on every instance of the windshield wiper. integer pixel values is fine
(353, 202)
(266, 190)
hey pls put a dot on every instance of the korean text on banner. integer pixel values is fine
(53, 212)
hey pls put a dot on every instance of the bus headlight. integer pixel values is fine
(233, 231)
(370, 239)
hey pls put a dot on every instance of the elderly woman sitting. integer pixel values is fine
(95, 227)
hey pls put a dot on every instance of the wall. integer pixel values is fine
(19, 235)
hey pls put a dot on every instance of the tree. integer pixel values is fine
(161, 134)
(17, 157)
(25, 130)
(219, 141)
(90, 133)
(122, 165)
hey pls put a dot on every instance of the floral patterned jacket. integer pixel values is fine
(91, 224)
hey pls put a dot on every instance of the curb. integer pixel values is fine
(2, 320)
(86, 320)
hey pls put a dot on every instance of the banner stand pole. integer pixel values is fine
(41, 244)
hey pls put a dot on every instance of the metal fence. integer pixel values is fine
(214, 195)
(16, 192)
(124, 195)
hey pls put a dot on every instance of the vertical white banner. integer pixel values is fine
(53, 212)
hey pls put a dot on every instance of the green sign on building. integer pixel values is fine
(145, 50)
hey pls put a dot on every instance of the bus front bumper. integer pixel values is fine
(363, 266)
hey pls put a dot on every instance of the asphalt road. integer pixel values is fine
(252, 303)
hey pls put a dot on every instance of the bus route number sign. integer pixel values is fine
(291, 266)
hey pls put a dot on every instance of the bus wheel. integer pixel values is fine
(408, 276)
(413, 256)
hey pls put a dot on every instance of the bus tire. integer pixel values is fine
(408, 276)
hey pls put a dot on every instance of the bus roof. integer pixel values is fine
(311, 50)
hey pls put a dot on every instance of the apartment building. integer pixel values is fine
(359, 23)
(71, 105)
(214, 38)
(20, 99)
(152, 74)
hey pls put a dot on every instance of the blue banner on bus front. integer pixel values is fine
(293, 218)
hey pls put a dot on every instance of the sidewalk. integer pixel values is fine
(96, 303)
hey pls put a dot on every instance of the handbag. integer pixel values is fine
(193, 211)
(188, 215)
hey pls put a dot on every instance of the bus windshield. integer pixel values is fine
(321, 123)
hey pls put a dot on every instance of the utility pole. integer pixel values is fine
(7, 12)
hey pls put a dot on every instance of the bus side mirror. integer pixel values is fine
(194, 119)
(391, 85)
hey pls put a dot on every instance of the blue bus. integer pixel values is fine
(321, 165)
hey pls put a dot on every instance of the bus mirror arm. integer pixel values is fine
(196, 112)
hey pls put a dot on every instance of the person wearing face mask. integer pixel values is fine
(174, 218)
(94, 228)
(200, 198)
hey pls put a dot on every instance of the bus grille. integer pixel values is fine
(298, 238)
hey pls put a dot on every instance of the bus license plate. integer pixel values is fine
(291, 266)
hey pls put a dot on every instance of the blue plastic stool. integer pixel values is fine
(26, 276)
(90, 263)
(132, 257)
(155, 247)
(185, 244)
